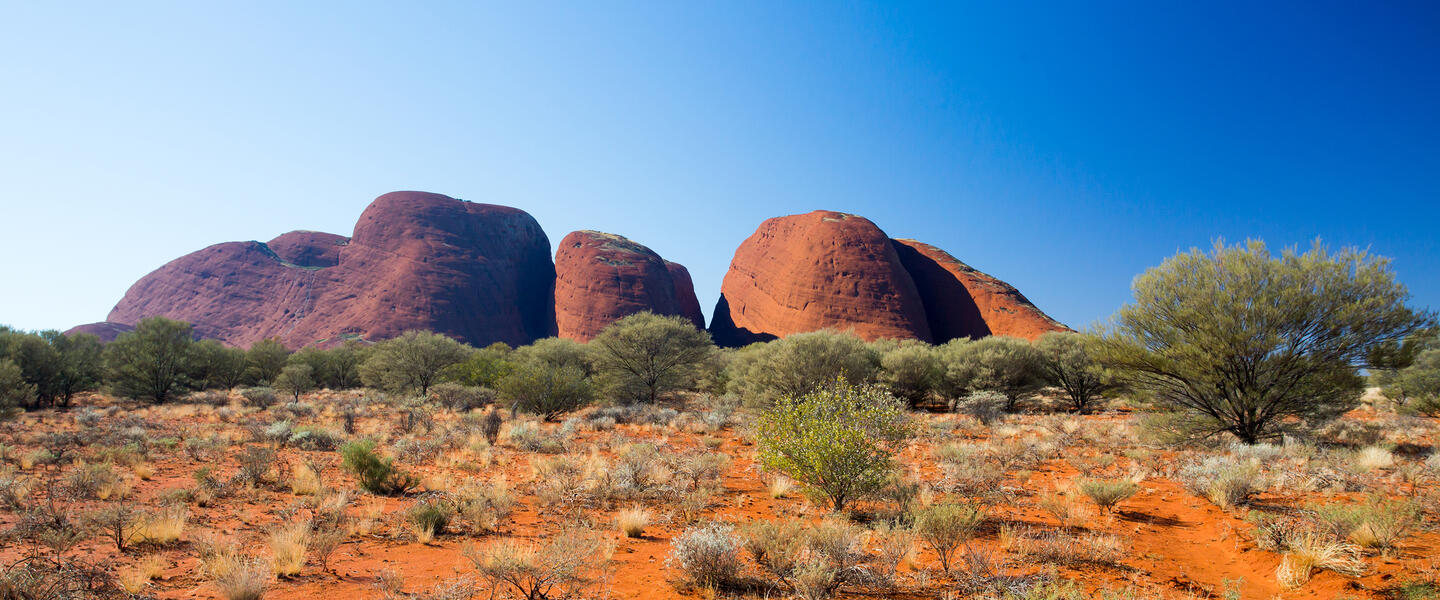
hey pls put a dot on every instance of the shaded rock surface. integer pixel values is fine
(602, 277)
(963, 302)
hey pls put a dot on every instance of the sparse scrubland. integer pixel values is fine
(1216, 441)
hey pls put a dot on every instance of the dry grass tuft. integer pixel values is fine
(288, 545)
(633, 521)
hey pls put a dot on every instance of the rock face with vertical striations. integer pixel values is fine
(830, 270)
(602, 277)
(480, 273)
(819, 270)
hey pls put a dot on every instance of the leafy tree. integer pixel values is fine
(152, 362)
(81, 364)
(645, 355)
(295, 379)
(839, 439)
(912, 370)
(536, 387)
(1241, 341)
(1067, 361)
(557, 353)
(15, 392)
(412, 361)
(217, 366)
(484, 367)
(794, 365)
(1010, 366)
(265, 359)
(39, 364)
(1415, 388)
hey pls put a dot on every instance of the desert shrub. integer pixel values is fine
(161, 527)
(305, 479)
(945, 527)
(1376, 524)
(561, 567)
(894, 545)
(462, 397)
(315, 438)
(256, 463)
(260, 397)
(245, 579)
(1310, 550)
(15, 392)
(418, 451)
(1009, 366)
(1197, 314)
(288, 547)
(1063, 548)
(490, 427)
(531, 437)
(1107, 493)
(633, 521)
(376, 475)
(152, 362)
(295, 379)
(217, 366)
(1415, 388)
(550, 392)
(1221, 480)
(412, 361)
(840, 440)
(480, 507)
(644, 356)
(797, 364)
(707, 555)
(96, 481)
(1067, 361)
(912, 371)
(984, 406)
(429, 517)
(115, 523)
(786, 548)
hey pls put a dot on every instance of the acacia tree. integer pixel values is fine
(411, 361)
(839, 439)
(153, 361)
(265, 359)
(1007, 365)
(1241, 341)
(1067, 362)
(645, 355)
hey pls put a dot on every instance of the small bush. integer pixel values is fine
(256, 464)
(490, 427)
(260, 397)
(944, 527)
(462, 397)
(429, 517)
(984, 406)
(247, 579)
(376, 475)
(481, 507)
(1221, 480)
(288, 546)
(1062, 548)
(1106, 494)
(560, 568)
(708, 555)
(1378, 524)
(633, 521)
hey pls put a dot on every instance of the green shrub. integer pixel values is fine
(548, 391)
(376, 475)
(1106, 494)
(797, 364)
(412, 361)
(645, 356)
(944, 527)
(840, 439)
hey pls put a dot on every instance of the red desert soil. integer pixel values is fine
(1176, 544)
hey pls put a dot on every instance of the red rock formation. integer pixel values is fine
(819, 270)
(308, 248)
(477, 272)
(963, 302)
(105, 330)
(685, 294)
(602, 277)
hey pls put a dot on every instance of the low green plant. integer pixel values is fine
(376, 475)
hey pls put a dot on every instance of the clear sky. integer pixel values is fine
(1061, 147)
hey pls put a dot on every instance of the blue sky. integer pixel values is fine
(1061, 147)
